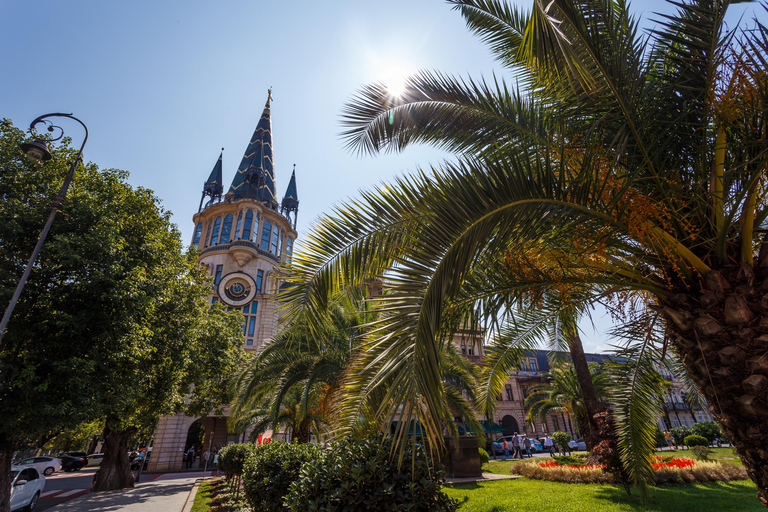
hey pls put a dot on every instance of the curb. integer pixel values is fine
(191, 496)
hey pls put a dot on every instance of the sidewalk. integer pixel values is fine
(164, 494)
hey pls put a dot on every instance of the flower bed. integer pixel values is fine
(666, 469)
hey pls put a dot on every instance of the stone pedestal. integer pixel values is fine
(463, 461)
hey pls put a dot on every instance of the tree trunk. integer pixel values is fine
(115, 469)
(721, 335)
(591, 404)
(6, 454)
(300, 435)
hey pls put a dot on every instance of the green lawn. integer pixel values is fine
(202, 498)
(542, 496)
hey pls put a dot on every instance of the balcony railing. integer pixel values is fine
(240, 243)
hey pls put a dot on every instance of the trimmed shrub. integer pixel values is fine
(484, 457)
(561, 440)
(694, 440)
(661, 441)
(232, 459)
(270, 471)
(364, 475)
(701, 452)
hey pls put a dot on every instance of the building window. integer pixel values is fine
(534, 366)
(254, 308)
(216, 227)
(226, 229)
(208, 235)
(239, 225)
(280, 245)
(524, 365)
(214, 300)
(198, 232)
(255, 228)
(245, 324)
(251, 325)
(245, 309)
(508, 389)
(217, 279)
(288, 249)
(470, 351)
(275, 238)
(259, 280)
(265, 232)
(248, 224)
(249, 342)
(499, 398)
(525, 391)
(463, 349)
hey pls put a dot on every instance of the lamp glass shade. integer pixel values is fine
(37, 150)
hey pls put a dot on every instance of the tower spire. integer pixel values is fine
(212, 187)
(290, 203)
(255, 177)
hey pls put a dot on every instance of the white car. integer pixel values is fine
(26, 485)
(45, 465)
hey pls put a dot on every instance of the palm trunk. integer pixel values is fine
(721, 335)
(115, 469)
(591, 404)
(6, 454)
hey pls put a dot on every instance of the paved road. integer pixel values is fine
(62, 487)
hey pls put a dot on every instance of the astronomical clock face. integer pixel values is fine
(237, 289)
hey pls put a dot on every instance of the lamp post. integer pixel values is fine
(38, 150)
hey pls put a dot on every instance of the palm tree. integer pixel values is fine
(293, 380)
(560, 393)
(630, 169)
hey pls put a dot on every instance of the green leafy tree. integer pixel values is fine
(629, 168)
(113, 323)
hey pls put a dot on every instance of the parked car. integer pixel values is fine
(76, 454)
(143, 457)
(581, 445)
(26, 485)
(70, 463)
(536, 446)
(94, 459)
(45, 465)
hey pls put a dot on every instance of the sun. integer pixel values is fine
(395, 78)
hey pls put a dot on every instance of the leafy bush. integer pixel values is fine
(661, 441)
(232, 460)
(709, 429)
(701, 452)
(484, 458)
(270, 471)
(364, 475)
(561, 439)
(577, 460)
(678, 434)
(694, 440)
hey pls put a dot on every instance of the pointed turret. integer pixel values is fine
(290, 201)
(213, 187)
(255, 177)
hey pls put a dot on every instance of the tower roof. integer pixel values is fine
(215, 177)
(258, 160)
(290, 192)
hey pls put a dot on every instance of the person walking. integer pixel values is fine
(549, 445)
(527, 445)
(670, 441)
(516, 441)
(506, 448)
(190, 457)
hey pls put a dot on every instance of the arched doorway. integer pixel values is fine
(509, 424)
(194, 441)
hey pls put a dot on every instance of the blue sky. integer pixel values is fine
(163, 85)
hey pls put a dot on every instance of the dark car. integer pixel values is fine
(70, 463)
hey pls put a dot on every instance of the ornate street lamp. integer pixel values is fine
(38, 150)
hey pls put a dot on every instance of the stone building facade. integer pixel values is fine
(243, 236)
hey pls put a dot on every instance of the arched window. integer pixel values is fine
(255, 229)
(265, 235)
(280, 244)
(248, 224)
(208, 235)
(226, 229)
(216, 227)
(198, 232)
(288, 249)
(239, 225)
(275, 238)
